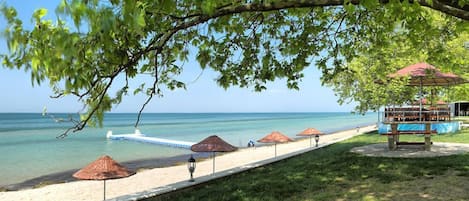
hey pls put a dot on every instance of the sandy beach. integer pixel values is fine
(157, 177)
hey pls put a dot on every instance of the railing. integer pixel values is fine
(414, 114)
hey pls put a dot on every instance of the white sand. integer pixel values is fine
(143, 180)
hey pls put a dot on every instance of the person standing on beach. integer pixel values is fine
(251, 143)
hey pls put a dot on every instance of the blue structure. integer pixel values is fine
(440, 127)
(139, 137)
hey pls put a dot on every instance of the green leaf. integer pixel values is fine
(35, 64)
(13, 45)
(168, 5)
(141, 19)
(40, 13)
(115, 2)
(209, 7)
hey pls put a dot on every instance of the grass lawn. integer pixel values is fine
(463, 119)
(333, 173)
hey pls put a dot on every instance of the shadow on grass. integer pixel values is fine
(330, 173)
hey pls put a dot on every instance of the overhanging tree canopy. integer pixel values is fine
(359, 83)
(249, 43)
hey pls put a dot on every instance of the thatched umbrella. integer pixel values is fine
(311, 132)
(213, 144)
(424, 74)
(427, 102)
(275, 137)
(103, 168)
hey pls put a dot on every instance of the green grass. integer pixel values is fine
(334, 173)
(463, 119)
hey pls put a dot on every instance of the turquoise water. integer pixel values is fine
(29, 147)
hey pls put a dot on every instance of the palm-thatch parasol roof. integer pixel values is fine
(213, 144)
(102, 169)
(275, 137)
(424, 74)
(310, 131)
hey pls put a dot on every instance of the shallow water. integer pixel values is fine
(29, 147)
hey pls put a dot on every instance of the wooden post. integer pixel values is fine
(390, 142)
(392, 138)
(428, 136)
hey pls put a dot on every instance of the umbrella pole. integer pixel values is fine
(310, 141)
(104, 192)
(213, 169)
(275, 149)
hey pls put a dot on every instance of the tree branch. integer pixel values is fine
(155, 85)
(448, 7)
(160, 40)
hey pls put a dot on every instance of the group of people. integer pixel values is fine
(251, 143)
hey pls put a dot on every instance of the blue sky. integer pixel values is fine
(202, 95)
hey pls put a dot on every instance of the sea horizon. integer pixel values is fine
(184, 112)
(30, 149)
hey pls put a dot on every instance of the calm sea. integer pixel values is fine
(29, 148)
